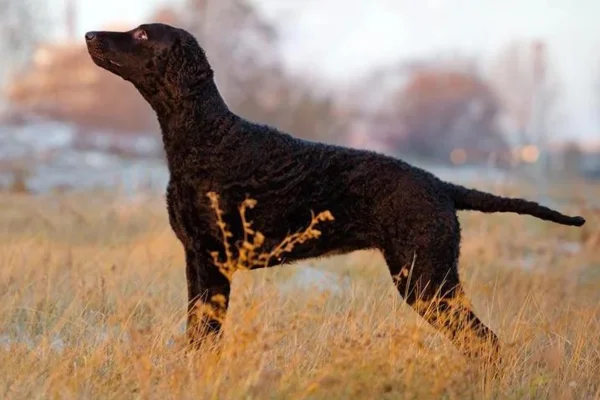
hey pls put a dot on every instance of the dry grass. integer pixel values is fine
(93, 306)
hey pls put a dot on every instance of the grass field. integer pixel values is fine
(93, 307)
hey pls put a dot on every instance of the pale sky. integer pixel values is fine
(371, 33)
(94, 14)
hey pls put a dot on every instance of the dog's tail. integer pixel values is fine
(471, 199)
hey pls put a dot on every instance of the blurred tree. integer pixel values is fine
(597, 93)
(528, 89)
(449, 114)
(294, 106)
(20, 32)
(165, 15)
(572, 160)
(237, 40)
(243, 48)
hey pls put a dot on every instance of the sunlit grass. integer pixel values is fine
(93, 301)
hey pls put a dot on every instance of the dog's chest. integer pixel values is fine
(188, 215)
(176, 214)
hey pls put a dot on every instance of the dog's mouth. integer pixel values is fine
(101, 58)
(105, 61)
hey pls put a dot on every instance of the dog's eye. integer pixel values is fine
(140, 34)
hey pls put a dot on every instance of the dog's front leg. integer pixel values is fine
(208, 297)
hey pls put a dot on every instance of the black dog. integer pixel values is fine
(378, 202)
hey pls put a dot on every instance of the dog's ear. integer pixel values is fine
(171, 61)
(186, 65)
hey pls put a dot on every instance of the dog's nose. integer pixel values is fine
(89, 36)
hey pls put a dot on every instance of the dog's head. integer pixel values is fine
(154, 57)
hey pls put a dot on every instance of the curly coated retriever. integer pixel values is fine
(378, 202)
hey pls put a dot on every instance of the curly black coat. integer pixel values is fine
(378, 202)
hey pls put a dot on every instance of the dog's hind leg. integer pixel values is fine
(426, 276)
(208, 297)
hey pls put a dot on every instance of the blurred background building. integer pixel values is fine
(469, 89)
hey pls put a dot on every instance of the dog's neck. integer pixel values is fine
(189, 116)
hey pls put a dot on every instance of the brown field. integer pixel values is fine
(93, 307)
